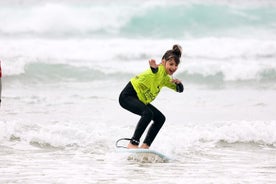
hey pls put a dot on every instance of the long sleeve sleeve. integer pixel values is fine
(179, 87)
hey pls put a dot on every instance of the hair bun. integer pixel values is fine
(177, 50)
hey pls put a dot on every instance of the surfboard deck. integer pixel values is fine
(145, 155)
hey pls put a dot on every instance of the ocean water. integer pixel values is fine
(65, 63)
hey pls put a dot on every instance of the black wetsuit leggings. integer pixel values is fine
(128, 99)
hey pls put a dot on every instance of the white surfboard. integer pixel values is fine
(145, 155)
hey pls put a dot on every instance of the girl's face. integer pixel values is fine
(170, 66)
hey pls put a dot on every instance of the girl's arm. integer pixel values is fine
(179, 85)
(153, 66)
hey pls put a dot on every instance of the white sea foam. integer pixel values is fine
(81, 134)
(61, 19)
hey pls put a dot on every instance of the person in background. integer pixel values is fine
(0, 82)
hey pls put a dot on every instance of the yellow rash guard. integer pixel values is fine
(148, 84)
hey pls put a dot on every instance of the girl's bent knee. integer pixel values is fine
(162, 119)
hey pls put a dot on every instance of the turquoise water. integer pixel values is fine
(215, 36)
(200, 20)
(153, 19)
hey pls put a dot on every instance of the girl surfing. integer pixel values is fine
(142, 89)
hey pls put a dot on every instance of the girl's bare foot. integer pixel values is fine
(144, 146)
(132, 146)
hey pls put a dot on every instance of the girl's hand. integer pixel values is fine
(152, 63)
(176, 81)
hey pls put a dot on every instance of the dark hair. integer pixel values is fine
(174, 53)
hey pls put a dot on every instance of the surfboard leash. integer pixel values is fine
(122, 139)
